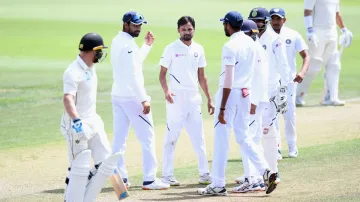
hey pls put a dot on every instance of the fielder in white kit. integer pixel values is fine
(82, 127)
(185, 61)
(232, 107)
(294, 43)
(130, 102)
(321, 18)
(277, 83)
(251, 181)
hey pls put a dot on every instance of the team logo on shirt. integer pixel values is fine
(180, 54)
(196, 55)
(288, 41)
(264, 46)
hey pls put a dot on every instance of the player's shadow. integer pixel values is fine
(54, 191)
(230, 161)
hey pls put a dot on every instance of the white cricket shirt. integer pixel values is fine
(183, 63)
(294, 44)
(259, 83)
(81, 81)
(239, 51)
(276, 53)
(127, 60)
(323, 12)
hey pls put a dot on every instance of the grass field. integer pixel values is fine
(40, 38)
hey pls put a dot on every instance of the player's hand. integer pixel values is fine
(299, 77)
(253, 109)
(168, 97)
(221, 117)
(149, 38)
(311, 37)
(77, 126)
(146, 107)
(211, 107)
(281, 100)
(345, 39)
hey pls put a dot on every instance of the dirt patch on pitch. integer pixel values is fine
(37, 174)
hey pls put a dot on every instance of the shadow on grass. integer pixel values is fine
(229, 161)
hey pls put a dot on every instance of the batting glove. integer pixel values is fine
(281, 100)
(345, 38)
(311, 37)
(77, 126)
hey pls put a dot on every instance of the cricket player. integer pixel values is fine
(277, 83)
(232, 107)
(294, 43)
(131, 104)
(321, 18)
(259, 99)
(82, 127)
(185, 61)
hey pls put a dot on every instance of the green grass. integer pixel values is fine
(40, 39)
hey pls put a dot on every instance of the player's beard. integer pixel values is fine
(186, 37)
(135, 33)
(226, 32)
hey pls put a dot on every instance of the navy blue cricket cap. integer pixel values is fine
(233, 17)
(134, 18)
(277, 11)
(249, 26)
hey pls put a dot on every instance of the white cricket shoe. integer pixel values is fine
(279, 156)
(299, 101)
(277, 181)
(333, 103)
(212, 191)
(247, 187)
(205, 179)
(240, 180)
(293, 151)
(156, 185)
(269, 180)
(171, 180)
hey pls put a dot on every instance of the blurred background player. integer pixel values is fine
(277, 85)
(82, 127)
(321, 18)
(130, 102)
(232, 107)
(185, 61)
(294, 43)
(252, 180)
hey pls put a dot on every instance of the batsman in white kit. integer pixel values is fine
(321, 18)
(294, 43)
(185, 61)
(277, 88)
(82, 127)
(131, 104)
(232, 107)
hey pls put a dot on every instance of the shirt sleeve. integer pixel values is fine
(144, 51)
(309, 4)
(70, 83)
(300, 44)
(228, 56)
(166, 58)
(338, 7)
(256, 90)
(202, 59)
(281, 58)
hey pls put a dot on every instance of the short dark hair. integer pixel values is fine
(236, 28)
(184, 20)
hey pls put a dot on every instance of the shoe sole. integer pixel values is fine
(144, 188)
(218, 194)
(250, 191)
(272, 184)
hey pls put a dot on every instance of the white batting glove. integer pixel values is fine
(311, 37)
(281, 100)
(345, 38)
(80, 130)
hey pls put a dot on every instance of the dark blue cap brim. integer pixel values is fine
(138, 22)
(282, 16)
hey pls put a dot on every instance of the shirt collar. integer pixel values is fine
(236, 34)
(184, 45)
(82, 63)
(126, 35)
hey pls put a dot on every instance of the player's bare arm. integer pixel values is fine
(305, 66)
(204, 85)
(339, 20)
(70, 107)
(162, 78)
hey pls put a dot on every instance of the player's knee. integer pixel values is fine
(315, 66)
(80, 166)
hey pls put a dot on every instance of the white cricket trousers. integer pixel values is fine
(184, 112)
(325, 53)
(128, 110)
(98, 143)
(237, 117)
(290, 117)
